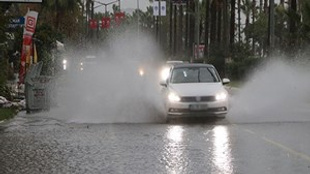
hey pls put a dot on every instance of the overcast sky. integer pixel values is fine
(125, 4)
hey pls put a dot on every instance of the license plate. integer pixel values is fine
(196, 107)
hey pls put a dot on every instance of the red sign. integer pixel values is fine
(199, 51)
(26, 56)
(93, 23)
(119, 17)
(105, 22)
(30, 24)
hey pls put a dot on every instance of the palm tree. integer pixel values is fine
(232, 23)
(246, 8)
(61, 9)
(239, 21)
(207, 27)
(213, 24)
(253, 21)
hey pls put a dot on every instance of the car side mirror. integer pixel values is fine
(225, 81)
(163, 83)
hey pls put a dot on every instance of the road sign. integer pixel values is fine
(16, 22)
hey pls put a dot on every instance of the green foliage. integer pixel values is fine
(4, 71)
(240, 70)
(46, 45)
(7, 113)
(6, 92)
(242, 62)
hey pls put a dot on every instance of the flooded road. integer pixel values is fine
(38, 144)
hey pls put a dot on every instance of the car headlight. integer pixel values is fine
(221, 96)
(141, 72)
(173, 97)
(64, 61)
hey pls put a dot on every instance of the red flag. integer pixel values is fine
(119, 17)
(30, 25)
(93, 24)
(105, 22)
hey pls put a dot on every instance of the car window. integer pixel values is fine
(194, 75)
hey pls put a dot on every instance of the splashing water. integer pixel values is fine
(112, 91)
(277, 92)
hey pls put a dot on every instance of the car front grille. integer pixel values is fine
(198, 99)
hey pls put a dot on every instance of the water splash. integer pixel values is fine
(276, 92)
(113, 91)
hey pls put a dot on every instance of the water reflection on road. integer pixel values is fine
(174, 150)
(37, 144)
(221, 154)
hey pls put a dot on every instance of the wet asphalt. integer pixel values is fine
(35, 144)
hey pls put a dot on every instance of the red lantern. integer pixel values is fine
(93, 24)
(119, 17)
(105, 22)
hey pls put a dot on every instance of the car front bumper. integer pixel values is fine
(200, 109)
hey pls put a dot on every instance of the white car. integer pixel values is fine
(166, 68)
(195, 90)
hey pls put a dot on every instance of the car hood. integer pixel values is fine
(197, 89)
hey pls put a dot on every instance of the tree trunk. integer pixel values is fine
(213, 25)
(191, 29)
(225, 29)
(266, 6)
(180, 36)
(239, 21)
(253, 21)
(175, 30)
(219, 23)
(170, 28)
(293, 25)
(207, 26)
(232, 23)
(186, 27)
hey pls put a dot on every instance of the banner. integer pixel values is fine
(26, 56)
(155, 8)
(159, 11)
(163, 8)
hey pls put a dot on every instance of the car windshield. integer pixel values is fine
(194, 75)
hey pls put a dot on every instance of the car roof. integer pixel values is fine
(183, 65)
(174, 61)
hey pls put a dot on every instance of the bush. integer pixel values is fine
(6, 92)
(7, 113)
(240, 70)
